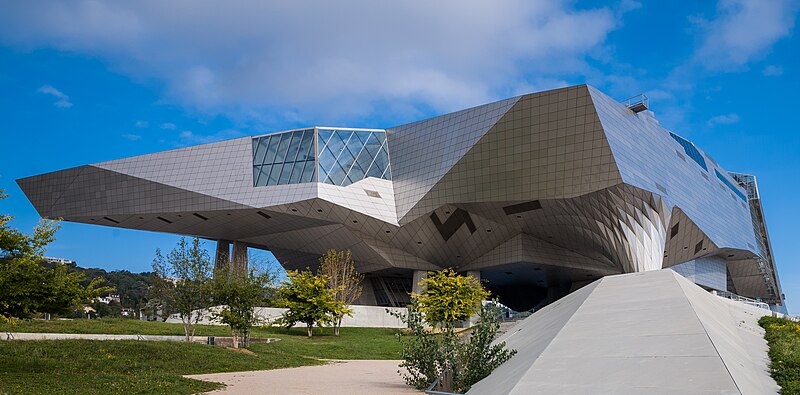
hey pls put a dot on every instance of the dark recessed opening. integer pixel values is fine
(319, 210)
(388, 231)
(141, 217)
(588, 275)
(488, 231)
(355, 221)
(263, 214)
(447, 212)
(509, 273)
(419, 242)
(200, 216)
(91, 219)
(685, 248)
(730, 256)
(458, 256)
(111, 220)
(165, 220)
(294, 210)
(228, 214)
(536, 269)
(519, 216)
(180, 216)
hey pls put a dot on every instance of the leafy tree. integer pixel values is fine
(343, 281)
(459, 362)
(182, 283)
(308, 300)
(239, 294)
(27, 286)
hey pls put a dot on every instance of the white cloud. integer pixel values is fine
(168, 126)
(725, 119)
(142, 124)
(772, 71)
(132, 137)
(63, 100)
(743, 30)
(322, 59)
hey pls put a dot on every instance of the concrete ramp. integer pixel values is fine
(652, 332)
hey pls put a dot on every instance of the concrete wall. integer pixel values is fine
(363, 316)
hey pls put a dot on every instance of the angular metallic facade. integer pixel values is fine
(537, 194)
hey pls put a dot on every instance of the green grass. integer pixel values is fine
(131, 367)
(783, 337)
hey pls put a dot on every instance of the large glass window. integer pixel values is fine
(345, 156)
(348, 156)
(283, 158)
(691, 150)
(735, 190)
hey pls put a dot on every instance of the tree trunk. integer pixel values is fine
(310, 330)
(336, 326)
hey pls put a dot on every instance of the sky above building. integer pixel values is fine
(85, 81)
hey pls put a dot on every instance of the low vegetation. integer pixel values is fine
(456, 361)
(131, 367)
(783, 337)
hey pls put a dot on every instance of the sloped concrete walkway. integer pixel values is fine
(368, 377)
(642, 333)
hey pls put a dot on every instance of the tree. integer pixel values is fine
(449, 297)
(459, 362)
(182, 283)
(27, 286)
(343, 281)
(239, 294)
(308, 300)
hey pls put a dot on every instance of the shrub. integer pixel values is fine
(783, 337)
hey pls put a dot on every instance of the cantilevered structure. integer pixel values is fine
(538, 195)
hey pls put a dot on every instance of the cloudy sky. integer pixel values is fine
(87, 81)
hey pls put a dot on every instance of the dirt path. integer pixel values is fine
(339, 377)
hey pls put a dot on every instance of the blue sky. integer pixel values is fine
(84, 81)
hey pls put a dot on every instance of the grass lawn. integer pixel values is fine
(131, 367)
(783, 337)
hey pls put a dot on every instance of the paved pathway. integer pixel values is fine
(95, 336)
(338, 377)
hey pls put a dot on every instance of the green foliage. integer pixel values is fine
(449, 297)
(239, 294)
(308, 300)
(478, 357)
(783, 337)
(182, 283)
(343, 281)
(458, 361)
(26, 286)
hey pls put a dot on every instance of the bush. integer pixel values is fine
(783, 337)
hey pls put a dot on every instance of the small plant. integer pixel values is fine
(458, 361)
(783, 337)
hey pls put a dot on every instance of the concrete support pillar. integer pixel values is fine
(222, 259)
(239, 261)
(419, 275)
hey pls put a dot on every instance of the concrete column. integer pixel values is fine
(419, 275)
(239, 261)
(222, 259)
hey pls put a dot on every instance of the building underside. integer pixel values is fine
(538, 195)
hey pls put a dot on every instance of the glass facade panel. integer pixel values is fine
(275, 158)
(690, 150)
(338, 157)
(735, 190)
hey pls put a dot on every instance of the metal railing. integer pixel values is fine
(742, 299)
(637, 103)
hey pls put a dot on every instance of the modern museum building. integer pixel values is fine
(537, 195)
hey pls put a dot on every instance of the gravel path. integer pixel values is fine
(338, 377)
